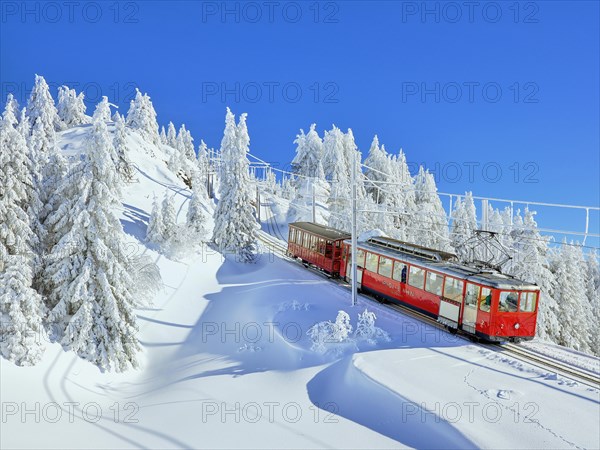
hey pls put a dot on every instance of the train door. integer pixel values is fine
(451, 301)
(360, 262)
(470, 311)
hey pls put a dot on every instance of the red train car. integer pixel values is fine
(317, 244)
(480, 302)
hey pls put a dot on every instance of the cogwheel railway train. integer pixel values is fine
(480, 302)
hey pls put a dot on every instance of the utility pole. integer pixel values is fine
(257, 203)
(485, 225)
(354, 237)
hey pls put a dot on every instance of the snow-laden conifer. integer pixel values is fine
(430, 224)
(21, 308)
(570, 294)
(196, 216)
(142, 118)
(89, 282)
(171, 135)
(154, 232)
(464, 224)
(169, 216)
(102, 111)
(124, 165)
(235, 225)
(41, 108)
(71, 107)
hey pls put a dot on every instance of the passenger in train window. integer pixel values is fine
(486, 302)
(403, 277)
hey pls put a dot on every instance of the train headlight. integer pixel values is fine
(517, 326)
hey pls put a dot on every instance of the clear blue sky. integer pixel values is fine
(363, 65)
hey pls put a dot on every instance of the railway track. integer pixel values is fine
(515, 351)
(577, 374)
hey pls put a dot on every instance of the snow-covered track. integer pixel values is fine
(558, 367)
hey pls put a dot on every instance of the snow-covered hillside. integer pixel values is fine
(227, 362)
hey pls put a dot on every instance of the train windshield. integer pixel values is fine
(528, 301)
(509, 301)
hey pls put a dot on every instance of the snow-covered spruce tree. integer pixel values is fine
(102, 111)
(71, 107)
(163, 135)
(24, 126)
(430, 216)
(187, 142)
(401, 199)
(88, 278)
(13, 106)
(203, 165)
(309, 175)
(309, 152)
(464, 224)
(169, 216)
(288, 191)
(530, 263)
(154, 232)
(142, 118)
(171, 135)
(235, 226)
(196, 217)
(574, 309)
(333, 153)
(40, 107)
(47, 167)
(123, 163)
(336, 169)
(377, 171)
(21, 308)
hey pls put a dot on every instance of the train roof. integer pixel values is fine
(486, 277)
(321, 230)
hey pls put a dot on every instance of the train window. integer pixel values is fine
(305, 239)
(508, 301)
(453, 289)
(291, 235)
(433, 283)
(472, 294)
(371, 265)
(528, 300)
(416, 277)
(385, 266)
(322, 246)
(485, 299)
(399, 271)
(360, 258)
(329, 249)
(314, 241)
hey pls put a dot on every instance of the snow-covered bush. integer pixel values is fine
(295, 305)
(340, 331)
(366, 329)
(330, 332)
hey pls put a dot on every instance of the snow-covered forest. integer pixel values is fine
(66, 274)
